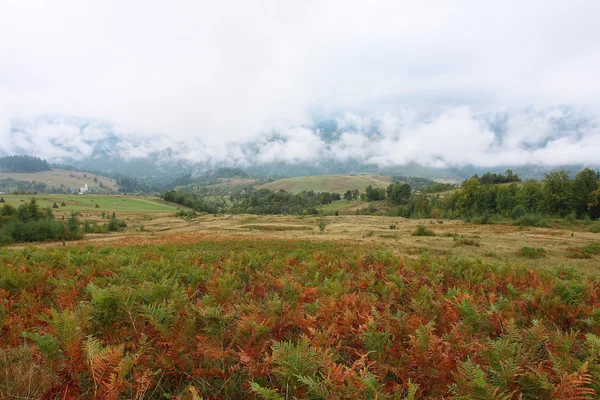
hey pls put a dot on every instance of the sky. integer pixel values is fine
(432, 82)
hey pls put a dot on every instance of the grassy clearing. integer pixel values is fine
(239, 318)
(88, 202)
(328, 183)
(58, 177)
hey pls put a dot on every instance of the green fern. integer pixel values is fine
(265, 393)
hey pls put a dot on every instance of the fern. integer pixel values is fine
(471, 383)
(575, 386)
(265, 393)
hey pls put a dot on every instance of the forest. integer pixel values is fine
(23, 164)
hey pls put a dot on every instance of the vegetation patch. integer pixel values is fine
(277, 319)
(29, 223)
(532, 252)
(460, 240)
(584, 252)
(422, 230)
(186, 214)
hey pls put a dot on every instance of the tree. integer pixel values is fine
(398, 193)
(558, 193)
(584, 185)
(512, 177)
(374, 194)
(470, 196)
(530, 195)
(594, 205)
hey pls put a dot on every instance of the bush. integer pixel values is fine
(186, 214)
(322, 225)
(481, 219)
(517, 212)
(463, 241)
(595, 228)
(584, 252)
(571, 218)
(422, 230)
(114, 224)
(531, 252)
(532, 220)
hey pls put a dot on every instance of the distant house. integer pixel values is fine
(84, 189)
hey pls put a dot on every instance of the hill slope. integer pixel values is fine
(69, 179)
(327, 183)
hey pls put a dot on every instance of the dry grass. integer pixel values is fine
(498, 243)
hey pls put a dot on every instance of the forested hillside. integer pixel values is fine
(23, 164)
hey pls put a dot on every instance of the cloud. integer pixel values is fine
(433, 82)
(454, 136)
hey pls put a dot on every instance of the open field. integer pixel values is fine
(328, 183)
(66, 178)
(87, 202)
(454, 238)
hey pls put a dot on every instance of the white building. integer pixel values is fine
(84, 189)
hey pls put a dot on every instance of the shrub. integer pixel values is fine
(571, 218)
(595, 228)
(532, 220)
(422, 230)
(322, 224)
(481, 219)
(464, 241)
(517, 212)
(186, 214)
(532, 252)
(584, 252)
(392, 226)
(114, 224)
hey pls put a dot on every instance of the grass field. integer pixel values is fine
(328, 183)
(88, 203)
(66, 178)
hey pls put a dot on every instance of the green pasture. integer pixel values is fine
(85, 202)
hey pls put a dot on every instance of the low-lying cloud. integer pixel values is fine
(452, 137)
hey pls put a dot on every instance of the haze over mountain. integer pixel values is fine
(301, 87)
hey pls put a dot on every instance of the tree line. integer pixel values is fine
(23, 164)
(263, 201)
(491, 196)
(558, 195)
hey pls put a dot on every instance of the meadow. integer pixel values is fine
(57, 177)
(330, 183)
(88, 202)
